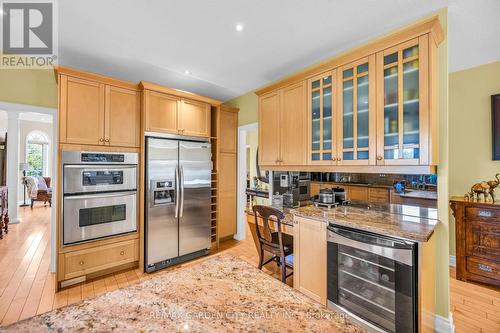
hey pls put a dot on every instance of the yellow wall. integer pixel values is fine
(470, 130)
(442, 230)
(28, 86)
(248, 105)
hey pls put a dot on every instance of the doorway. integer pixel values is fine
(247, 161)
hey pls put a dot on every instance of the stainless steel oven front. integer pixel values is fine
(94, 216)
(99, 195)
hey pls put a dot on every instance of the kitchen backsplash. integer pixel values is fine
(412, 181)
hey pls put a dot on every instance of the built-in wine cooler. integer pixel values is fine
(373, 278)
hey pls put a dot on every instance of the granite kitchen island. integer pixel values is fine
(219, 294)
(410, 226)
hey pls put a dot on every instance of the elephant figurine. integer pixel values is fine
(480, 188)
(494, 184)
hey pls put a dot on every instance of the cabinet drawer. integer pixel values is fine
(483, 239)
(483, 267)
(358, 193)
(378, 195)
(482, 213)
(83, 262)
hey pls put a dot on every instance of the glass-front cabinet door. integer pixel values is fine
(402, 124)
(321, 118)
(356, 113)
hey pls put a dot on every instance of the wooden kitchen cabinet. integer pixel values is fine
(370, 110)
(269, 129)
(292, 125)
(227, 194)
(356, 113)
(309, 255)
(194, 118)
(169, 111)
(96, 110)
(378, 195)
(322, 121)
(227, 137)
(81, 109)
(403, 111)
(282, 116)
(123, 114)
(161, 112)
(224, 148)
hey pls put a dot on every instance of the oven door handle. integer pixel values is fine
(100, 167)
(99, 196)
(372, 240)
(397, 253)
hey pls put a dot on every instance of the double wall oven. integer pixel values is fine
(99, 195)
(373, 278)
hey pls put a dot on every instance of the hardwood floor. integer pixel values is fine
(27, 286)
(475, 307)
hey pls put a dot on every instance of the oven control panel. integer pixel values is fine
(103, 158)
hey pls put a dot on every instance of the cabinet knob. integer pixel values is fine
(339, 159)
(379, 158)
(101, 140)
(334, 158)
(81, 262)
(106, 140)
(122, 253)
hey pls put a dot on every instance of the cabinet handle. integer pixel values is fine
(485, 268)
(122, 253)
(379, 158)
(81, 263)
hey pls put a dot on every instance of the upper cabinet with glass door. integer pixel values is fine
(403, 119)
(356, 113)
(321, 117)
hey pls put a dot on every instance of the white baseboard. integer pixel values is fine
(444, 325)
(453, 261)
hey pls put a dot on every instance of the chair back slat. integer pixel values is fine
(265, 213)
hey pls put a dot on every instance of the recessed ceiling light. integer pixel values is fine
(187, 72)
(239, 27)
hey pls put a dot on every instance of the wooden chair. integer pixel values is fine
(4, 211)
(277, 243)
(44, 195)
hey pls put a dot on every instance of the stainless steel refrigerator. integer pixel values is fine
(178, 199)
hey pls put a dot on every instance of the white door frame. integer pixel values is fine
(20, 108)
(241, 185)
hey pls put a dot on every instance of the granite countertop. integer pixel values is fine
(403, 221)
(354, 184)
(219, 294)
(288, 220)
(419, 194)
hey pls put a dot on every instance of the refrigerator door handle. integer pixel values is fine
(177, 194)
(181, 209)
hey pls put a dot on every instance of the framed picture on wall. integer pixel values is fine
(495, 124)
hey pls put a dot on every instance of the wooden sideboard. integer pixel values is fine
(477, 234)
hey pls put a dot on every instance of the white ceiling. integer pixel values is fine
(159, 40)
